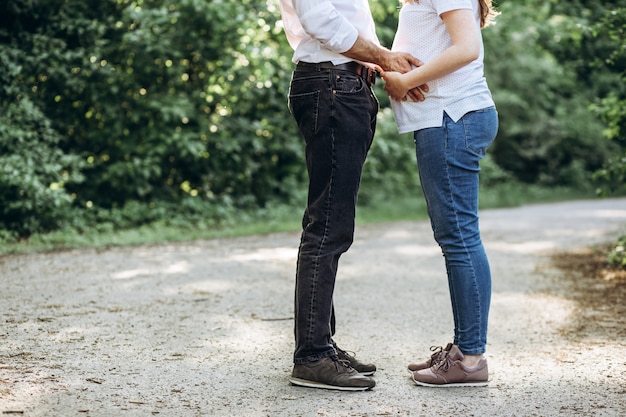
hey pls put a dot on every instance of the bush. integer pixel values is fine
(34, 172)
(616, 255)
(155, 103)
(118, 113)
(547, 135)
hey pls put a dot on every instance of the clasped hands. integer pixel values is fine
(395, 86)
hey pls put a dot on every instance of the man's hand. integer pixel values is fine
(399, 62)
(403, 62)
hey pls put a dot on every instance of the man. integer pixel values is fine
(335, 49)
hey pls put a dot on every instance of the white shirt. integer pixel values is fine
(422, 33)
(320, 31)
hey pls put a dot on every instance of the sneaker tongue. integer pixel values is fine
(455, 354)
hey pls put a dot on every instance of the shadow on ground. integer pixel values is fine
(598, 291)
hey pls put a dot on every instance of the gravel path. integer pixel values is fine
(205, 328)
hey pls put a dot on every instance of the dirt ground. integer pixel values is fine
(204, 328)
(599, 291)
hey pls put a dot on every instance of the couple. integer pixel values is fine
(445, 101)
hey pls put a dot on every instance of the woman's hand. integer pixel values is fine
(395, 85)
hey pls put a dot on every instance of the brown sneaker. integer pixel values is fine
(330, 373)
(450, 372)
(362, 368)
(438, 353)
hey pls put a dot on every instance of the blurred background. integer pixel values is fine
(126, 122)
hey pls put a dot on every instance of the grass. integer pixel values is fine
(278, 219)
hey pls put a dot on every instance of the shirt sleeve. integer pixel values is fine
(442, 6)
(323, 22)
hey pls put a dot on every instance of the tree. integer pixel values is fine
(547, 135)
(612, 107)
(34, 168)
(130, 111)
(149, 101)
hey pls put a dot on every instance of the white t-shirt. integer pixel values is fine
(422, 33)
(320, 31)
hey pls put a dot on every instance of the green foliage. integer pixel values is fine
(389, 149)
(547, 133)
(612, 177)
(187, 108)
(385, 14)
(124, 113)
(612, 108)
(616, 255)
(33, 171)
(588, 38)
(154, 100)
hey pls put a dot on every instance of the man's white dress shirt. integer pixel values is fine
(320, 31)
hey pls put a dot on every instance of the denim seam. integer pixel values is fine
(317, 260)
(451, 200)
(474, 277)
(320, 250)
(481, 331)
(461, 236)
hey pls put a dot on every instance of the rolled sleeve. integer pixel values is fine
(324, 23)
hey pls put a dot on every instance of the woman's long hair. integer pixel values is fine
(487, 12)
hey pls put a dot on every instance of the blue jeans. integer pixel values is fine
(448, 161)
(336, 114)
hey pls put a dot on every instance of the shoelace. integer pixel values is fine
(345, 363)
(444, 362)
(350, 355)
(437, 354)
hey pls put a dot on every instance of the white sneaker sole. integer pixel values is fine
(452, 385)
(313, 384)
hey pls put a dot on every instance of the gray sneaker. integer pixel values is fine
(330, 373)
(438, 354)
(366, 369)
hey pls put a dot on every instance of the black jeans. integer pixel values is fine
(336, 113)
